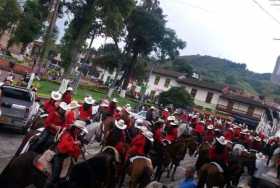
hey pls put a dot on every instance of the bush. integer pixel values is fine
(177, 96)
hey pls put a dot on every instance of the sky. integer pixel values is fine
(239, 30)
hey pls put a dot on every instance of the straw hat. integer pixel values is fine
(89, 100)
(80, 125)
(222, 140)
(63, 106)
(149, 135)
(120, 124)
(55, 95)
(73, 105)
(210, 127)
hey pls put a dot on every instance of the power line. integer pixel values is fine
(265, 11)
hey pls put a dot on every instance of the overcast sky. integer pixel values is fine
(238, 30)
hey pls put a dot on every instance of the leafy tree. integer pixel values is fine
(177, 96)
(9, 14)
(31, 23)
(145, 30)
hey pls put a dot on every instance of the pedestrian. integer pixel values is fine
(189, 181)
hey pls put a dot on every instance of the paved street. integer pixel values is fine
(9, 142)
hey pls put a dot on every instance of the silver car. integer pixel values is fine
(18, 107)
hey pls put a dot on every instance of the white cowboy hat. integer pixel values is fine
(104, 103)
(114, 100)
(152, 107)
(119, 108)
(149, 135)
(174, 123)
(210, 127)
(89, 100)
(171, 118)
(257, 138)
(127, 109)
(127, 105)
(63, 106)
(55, 95)
(222, 140)
(260, 156)
(73, 105)
(81, 125)
(166, 109)
(120, 124)
(69, 89)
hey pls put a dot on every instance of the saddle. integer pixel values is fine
(220, 169)
(44, 165)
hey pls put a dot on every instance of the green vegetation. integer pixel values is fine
(46, 87)
(177, 96)
(229, 73)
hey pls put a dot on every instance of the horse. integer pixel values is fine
(209, 174)
(99, 171)
(171, 155)
(140, 171)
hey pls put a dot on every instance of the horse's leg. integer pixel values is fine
(122, 179)
(173, 173)
(169, 168)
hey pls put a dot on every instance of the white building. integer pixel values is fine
(205, 94)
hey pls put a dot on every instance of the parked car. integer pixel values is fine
(139, 115)
(18, 107)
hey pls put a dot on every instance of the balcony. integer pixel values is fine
(233, 111)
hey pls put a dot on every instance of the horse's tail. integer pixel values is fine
(145, 179)
(202, 176)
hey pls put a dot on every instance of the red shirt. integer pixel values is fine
(257, 146)
(50, 106)
(68, 146)
(218, 157)
(117, 115)
(165, 115)
(67, 97)
(85, 114)
(157, 134)
(199, 128)
(53, 118)
(137, 145)
(120, 145)
(70, 118)
(172, 134)
(228, 135)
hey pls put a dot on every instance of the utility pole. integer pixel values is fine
(43, 57)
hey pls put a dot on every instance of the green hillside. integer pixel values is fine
(227, 72)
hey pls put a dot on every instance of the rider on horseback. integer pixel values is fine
(171, 130)
(69, 145)
(54, 122)
(50, 105)
(72, 114)
(85, 110)
(68, 95)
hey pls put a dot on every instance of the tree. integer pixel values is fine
(231, 79)
(31, 23)
(9, 14)
(145, 30)
(177, 96)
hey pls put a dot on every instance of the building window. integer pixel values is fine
(209, 97)
(157, 80)
(167, 82)
(193, 92)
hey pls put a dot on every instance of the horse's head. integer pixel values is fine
(191, 145)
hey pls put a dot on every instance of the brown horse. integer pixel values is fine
(209, 174)
(169, 157)
(140, 172)
(99, 171)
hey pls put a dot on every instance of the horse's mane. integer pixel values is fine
(116, 153)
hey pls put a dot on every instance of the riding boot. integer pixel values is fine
(57, 163)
